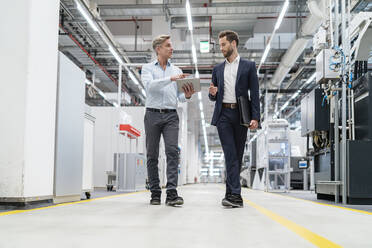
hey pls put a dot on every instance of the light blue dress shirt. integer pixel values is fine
(161, 92)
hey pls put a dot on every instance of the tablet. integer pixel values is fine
(194, 81)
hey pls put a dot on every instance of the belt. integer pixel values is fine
(230, 105)
(161, 110)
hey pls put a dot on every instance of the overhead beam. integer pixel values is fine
(198, 9)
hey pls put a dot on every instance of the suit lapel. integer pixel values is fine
(222, 73)
(239, 73)
(222, 78)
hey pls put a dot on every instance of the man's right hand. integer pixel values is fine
(213, 90)
(180, 76)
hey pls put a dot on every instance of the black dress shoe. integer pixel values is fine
(173, 199)
(232, 200)
(155, 199)
(224, 200)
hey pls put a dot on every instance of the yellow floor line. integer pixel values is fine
(70, 203)
(323, 204)
(313, 238)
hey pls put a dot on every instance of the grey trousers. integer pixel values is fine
(166, 124)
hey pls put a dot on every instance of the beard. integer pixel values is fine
(228, 53)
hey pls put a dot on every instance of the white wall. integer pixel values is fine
(193, 164)
(28, 97)
(69, 148)
(183, 141)
(108, 141)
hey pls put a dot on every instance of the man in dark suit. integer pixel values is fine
(231, 79)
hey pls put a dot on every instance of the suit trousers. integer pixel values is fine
(233, 137)
(166, 124)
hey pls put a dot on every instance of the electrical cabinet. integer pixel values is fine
(324, 67)
(359, 172)
(363, 107)
(131, 172)
(314, 113)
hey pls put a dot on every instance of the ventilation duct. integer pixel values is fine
(310, 26)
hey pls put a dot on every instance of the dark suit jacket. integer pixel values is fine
(246, 79)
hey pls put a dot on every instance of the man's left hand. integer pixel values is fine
(189, 90)
(253, 125)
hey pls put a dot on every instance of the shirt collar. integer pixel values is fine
(156, 62)
(237, 59)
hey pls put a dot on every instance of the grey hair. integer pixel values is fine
(159, 40)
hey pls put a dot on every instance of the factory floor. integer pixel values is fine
(127, 220)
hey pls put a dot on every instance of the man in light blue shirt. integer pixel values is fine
(161, 118)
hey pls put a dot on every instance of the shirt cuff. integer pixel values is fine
(182, 98)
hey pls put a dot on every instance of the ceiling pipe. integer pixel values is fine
(95, 61)
(311, 24)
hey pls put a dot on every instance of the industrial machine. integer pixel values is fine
(337, 114)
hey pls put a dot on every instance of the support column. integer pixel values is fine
(29, 50)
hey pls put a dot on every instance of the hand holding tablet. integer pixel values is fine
(194, 82)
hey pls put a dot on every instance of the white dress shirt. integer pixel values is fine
(162, 93)
(230, 73)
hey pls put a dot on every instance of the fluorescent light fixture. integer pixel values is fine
(86, 16)
(143, 92)
(285, 105)
(197, 74)
(115, 104)
(88, 82)
(102, 94)
(277, 25)
(194, 58)
(281, 16)
(295, 95)
(311, 78)
(202, 115)
(134, 79)
(267, 49)
(116, 55)
(188, 13)
(206, 143)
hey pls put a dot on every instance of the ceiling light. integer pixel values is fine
(87, 17)
(276, 27)
(102, 94)
(143, 92)
(188, 12)
(311, 78)
(267, 49)
(134, 79)
(116, 55)
(194, 58)
(281, 16)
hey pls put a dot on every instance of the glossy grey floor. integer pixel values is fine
(267, 220)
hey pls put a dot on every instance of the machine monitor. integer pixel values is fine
(303, 164)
